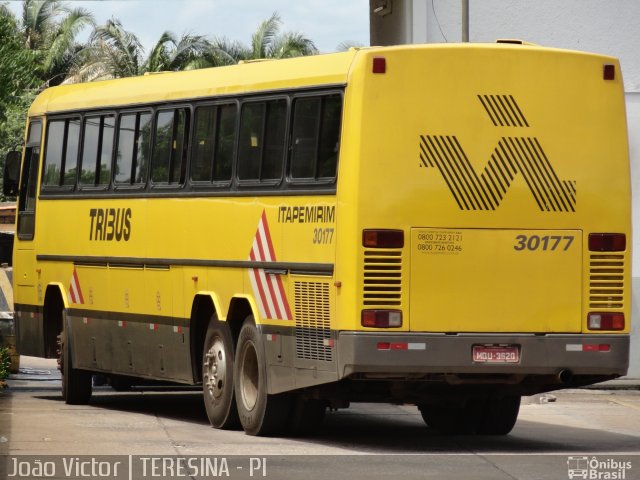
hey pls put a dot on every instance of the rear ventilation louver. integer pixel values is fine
(606, 281)
(313, 324)
(382, 278)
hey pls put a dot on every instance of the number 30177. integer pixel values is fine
(322, 236)
(547, 242)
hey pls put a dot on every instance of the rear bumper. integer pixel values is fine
(425, 353)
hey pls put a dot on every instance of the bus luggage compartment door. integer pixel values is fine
(493, 280)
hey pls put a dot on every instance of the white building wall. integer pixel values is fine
(610, 27)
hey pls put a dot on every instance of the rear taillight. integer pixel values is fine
(381, 318)
(607, 242)
(606, 321)
(383, 238)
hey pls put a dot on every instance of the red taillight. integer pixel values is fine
(379, 65)
(383, 238)
(392, 346)
(609, 71)
(381, 318)
(606, 321)
(607, 242)
(603, 347)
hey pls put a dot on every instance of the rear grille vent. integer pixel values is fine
(606, 281)
(382, 278)
(313, 323)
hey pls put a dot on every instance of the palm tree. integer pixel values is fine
(266, 42)
(49, 28)
(114, 52)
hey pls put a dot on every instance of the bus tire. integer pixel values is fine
(217, 376)
(452, 419)
(500, 415)
(260, 413)
(307, 416)
(76, 384)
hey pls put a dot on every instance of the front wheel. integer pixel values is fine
(260, 413)
(217, 376)
(76, 384)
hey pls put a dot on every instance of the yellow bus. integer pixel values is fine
(440, 225)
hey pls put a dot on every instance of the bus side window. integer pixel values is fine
(315, 137)
(134, 132)
(170, 147)
(251, 133)
(202, 150)
(97, 150)
(61, 153)
(262, 136)
(214, 138)
(28, 183)
(329, 137)
(225, 141)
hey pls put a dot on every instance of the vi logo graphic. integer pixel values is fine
(513, 156)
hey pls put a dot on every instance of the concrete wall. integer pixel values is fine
(602, 26)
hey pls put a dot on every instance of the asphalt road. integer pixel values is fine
(365, 441)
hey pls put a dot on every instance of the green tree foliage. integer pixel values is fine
(5, 364)
(49, 29)
(266, 42)
(113, 52)
(18, 63)
(17, 78)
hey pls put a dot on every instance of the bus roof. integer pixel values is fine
(244, 78)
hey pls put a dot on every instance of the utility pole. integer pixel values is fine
(465, 21)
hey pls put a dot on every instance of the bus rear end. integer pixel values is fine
(488, 197)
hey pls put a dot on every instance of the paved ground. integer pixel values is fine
(601, 424)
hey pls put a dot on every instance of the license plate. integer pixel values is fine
(496, 353)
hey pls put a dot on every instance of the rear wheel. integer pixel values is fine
(260, 413)
(217, 376)
(76, 384)
(489, 415)
(307, 415)
(500, 415)
(450, 419)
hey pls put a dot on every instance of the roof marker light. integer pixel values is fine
(609, 71)
(379, 65)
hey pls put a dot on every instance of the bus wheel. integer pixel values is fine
(76, 384)
(499, 415)
(260, 413)
(453, 419)
(307, 415)
(217, 376)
